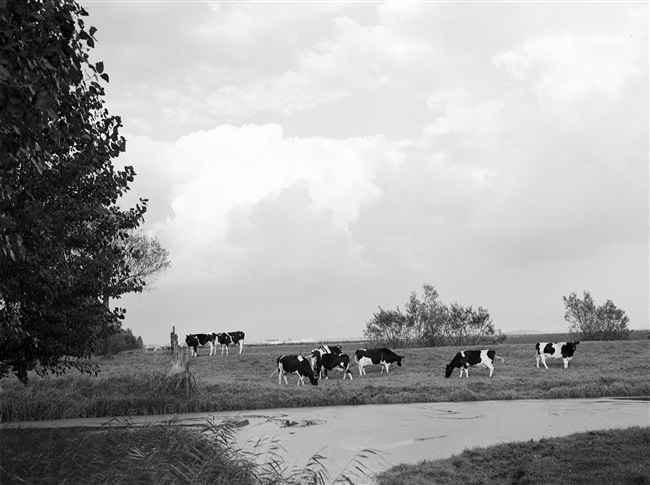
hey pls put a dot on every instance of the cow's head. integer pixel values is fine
(448, 370)
(306, 369)
(315, 360)
(399, 360)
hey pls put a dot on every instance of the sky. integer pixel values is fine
(307, 163)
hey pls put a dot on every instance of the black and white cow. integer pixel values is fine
(384, 357)
(468, 358)
(329, 349)
(323, 362)
(193, 341)
(295, 364)
(322, 350)
(550, 350)
(227, 338)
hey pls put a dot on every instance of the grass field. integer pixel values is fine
(136, 383)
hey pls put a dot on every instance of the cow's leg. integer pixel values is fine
(213, 349)
(221, 349)
(566, 362)
(537, 360)
(544, 361)
(279, 376)
(241, 346)
(491, 367)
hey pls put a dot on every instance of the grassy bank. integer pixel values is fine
(167, 454)
(598, 457)
(172, 454)
(136, 383)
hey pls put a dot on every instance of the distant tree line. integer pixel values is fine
(121, 341)
(427, 322)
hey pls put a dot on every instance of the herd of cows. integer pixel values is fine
(331, 357)
(224, 339)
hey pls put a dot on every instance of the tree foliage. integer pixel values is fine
(145, 257)
(605, 322)
(429, 322)
(59, 218)
(467, 326)
(388, 327)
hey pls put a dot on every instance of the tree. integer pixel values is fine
(466, 326)
(144, 259)
(606, 322)
(429, 322)
(388, 327)
(428, 316)
(59, 217)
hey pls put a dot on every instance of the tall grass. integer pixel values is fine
(157, 454)
(137, 384)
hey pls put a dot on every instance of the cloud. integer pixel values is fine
(561, 70)
(212, 183)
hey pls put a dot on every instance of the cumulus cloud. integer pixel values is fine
(559, 70)
(214, 179)
(305, 169)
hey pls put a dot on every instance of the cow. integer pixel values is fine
(322, 362)
(237, 337)
(322, 350)
(466, 358)
(227, 338)
(329, 349)
(224, 341)
(384, 357)
(193, 341)
(550, 350)
(295, 364)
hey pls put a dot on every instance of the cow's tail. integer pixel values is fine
(272, 373)
(502, 361)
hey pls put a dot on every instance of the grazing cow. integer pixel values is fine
(322, 362)
(193, 341)
(384, 357)
(322, 350)
(466, 358)
(227, 338)
(550, 350)
(295, 364)
(329, 349)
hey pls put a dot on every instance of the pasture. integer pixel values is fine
(136, 383)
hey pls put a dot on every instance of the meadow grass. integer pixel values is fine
(592, 458)
(136, 383)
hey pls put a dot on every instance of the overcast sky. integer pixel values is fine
(307, 163)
